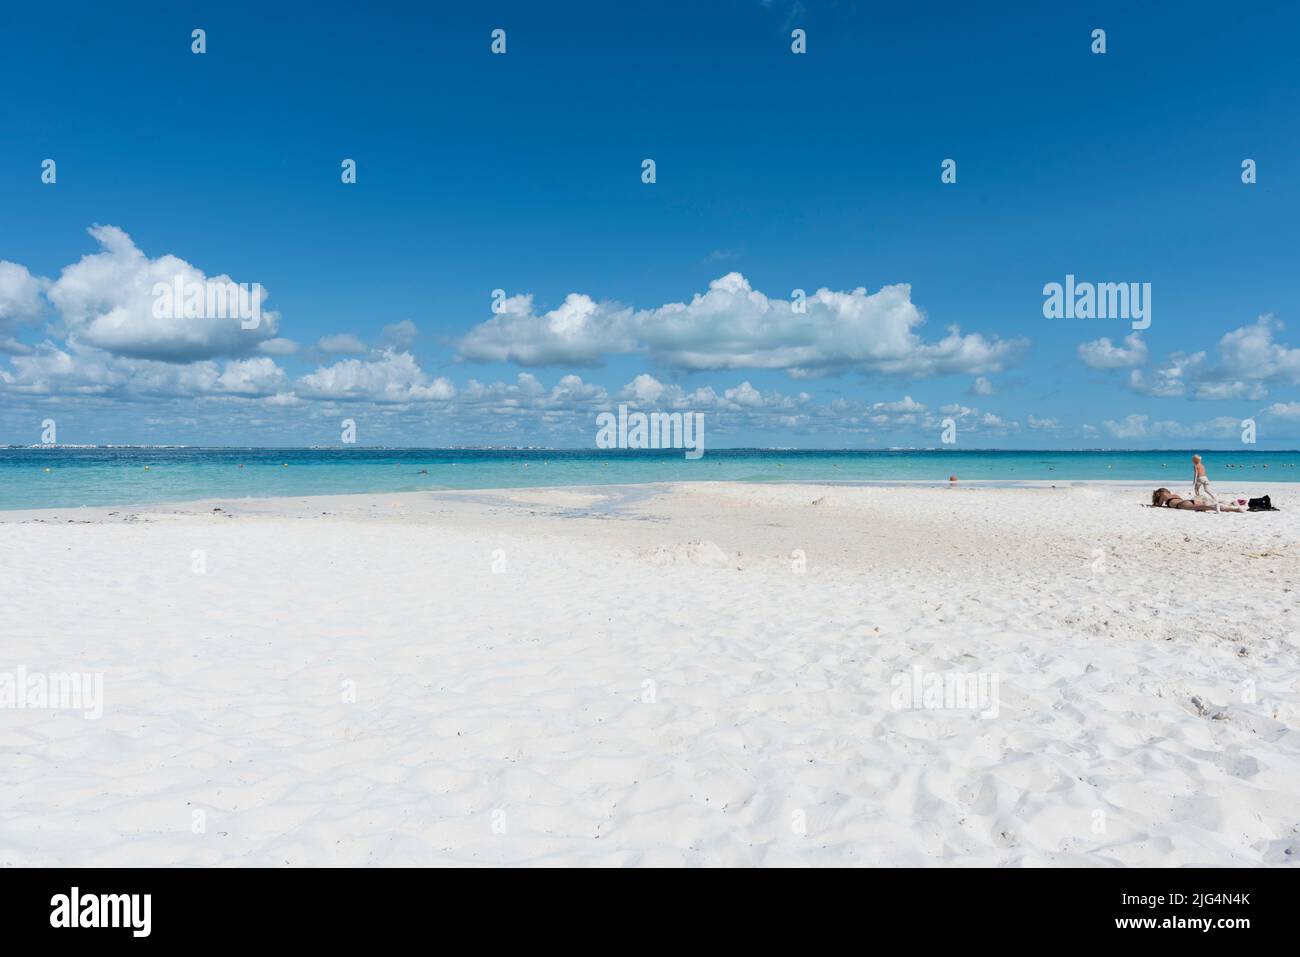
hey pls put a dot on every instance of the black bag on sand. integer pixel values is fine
(1264, 504)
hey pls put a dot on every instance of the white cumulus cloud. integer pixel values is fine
(1103, 354)
(733, 326)
(20, 303)
(107, 299)
(388, 377)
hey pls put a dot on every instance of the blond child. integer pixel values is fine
(1201, 493)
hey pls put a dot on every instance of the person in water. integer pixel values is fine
(1163, 498)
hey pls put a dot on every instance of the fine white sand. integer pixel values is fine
(661, 675)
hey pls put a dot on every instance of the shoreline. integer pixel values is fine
(185, 505)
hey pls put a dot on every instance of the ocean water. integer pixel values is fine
(53, 477)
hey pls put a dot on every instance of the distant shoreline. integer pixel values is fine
(74, 477)
(895, 450)
(275, 503)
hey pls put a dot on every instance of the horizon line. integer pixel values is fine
(548, 448)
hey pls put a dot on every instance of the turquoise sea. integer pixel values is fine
(53, 477)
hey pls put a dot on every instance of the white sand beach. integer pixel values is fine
(700, 674)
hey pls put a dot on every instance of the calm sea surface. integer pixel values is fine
(61, 477)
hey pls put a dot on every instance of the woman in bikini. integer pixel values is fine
(1163, 498)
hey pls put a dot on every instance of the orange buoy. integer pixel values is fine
(952, 478)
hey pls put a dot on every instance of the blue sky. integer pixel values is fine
(774, 171)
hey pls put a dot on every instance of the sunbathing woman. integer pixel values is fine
(1163, 498)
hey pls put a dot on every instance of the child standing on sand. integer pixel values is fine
(1201, 493)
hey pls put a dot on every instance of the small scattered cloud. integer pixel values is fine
(389, 377)
(1251, 353)
(1103, 354)
(278, 347)
(79, 370)
(1248, 361)
(1233, 389)
(1144, 428)
(1169, 380)
(399, 335)
(1284, 410)
(905, 404)
(344, 344)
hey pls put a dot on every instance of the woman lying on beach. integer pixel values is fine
(1163, 498)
